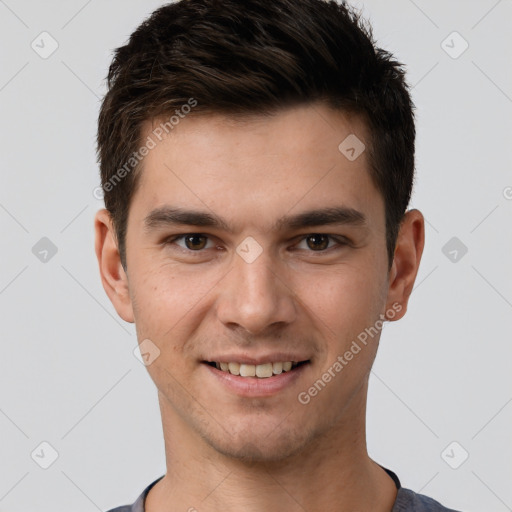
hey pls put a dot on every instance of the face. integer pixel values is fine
(251, 243)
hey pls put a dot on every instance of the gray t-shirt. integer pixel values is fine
(406, 500)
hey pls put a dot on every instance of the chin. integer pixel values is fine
(253, 445)
(248, 452)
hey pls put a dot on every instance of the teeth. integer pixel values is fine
(234, 368)
(277, 368)
(247, 370)
(262, 371)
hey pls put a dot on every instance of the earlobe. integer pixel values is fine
(406, 261)
(113, 275)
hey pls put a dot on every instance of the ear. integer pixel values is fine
(113, 276)
(406, 262)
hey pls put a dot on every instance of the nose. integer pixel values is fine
(255, 296)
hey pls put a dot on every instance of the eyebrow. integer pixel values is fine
(168, 216)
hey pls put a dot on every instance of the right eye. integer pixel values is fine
(194, 242)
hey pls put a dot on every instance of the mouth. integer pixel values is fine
(257, 371)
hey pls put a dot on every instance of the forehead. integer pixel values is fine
(296, 131)
(294, 160)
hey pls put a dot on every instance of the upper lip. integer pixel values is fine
(275, 357)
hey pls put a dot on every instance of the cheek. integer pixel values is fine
(344, 306)
(344, 301)
(165, 305)
(166, 299)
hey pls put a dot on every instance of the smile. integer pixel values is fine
(261, 371)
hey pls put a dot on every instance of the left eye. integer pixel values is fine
(318, 242)
(193, 241)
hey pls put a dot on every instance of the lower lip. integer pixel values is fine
(255, 386)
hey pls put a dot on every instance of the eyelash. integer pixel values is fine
(341, 241)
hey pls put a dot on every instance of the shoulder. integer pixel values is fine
(138, 506)
(410, 501)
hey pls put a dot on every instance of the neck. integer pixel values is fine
(334, 472)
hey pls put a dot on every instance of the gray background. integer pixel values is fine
(68, 373)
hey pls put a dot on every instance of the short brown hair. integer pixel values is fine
(252, 57)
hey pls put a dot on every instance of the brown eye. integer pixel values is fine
(195, 242)
(318, 242)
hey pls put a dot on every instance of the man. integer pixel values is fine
(257, 160)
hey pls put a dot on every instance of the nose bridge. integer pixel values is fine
(256, 296)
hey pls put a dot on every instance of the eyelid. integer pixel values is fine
(339, 239)
(172, 240)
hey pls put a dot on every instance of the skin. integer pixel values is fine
(227, 452)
